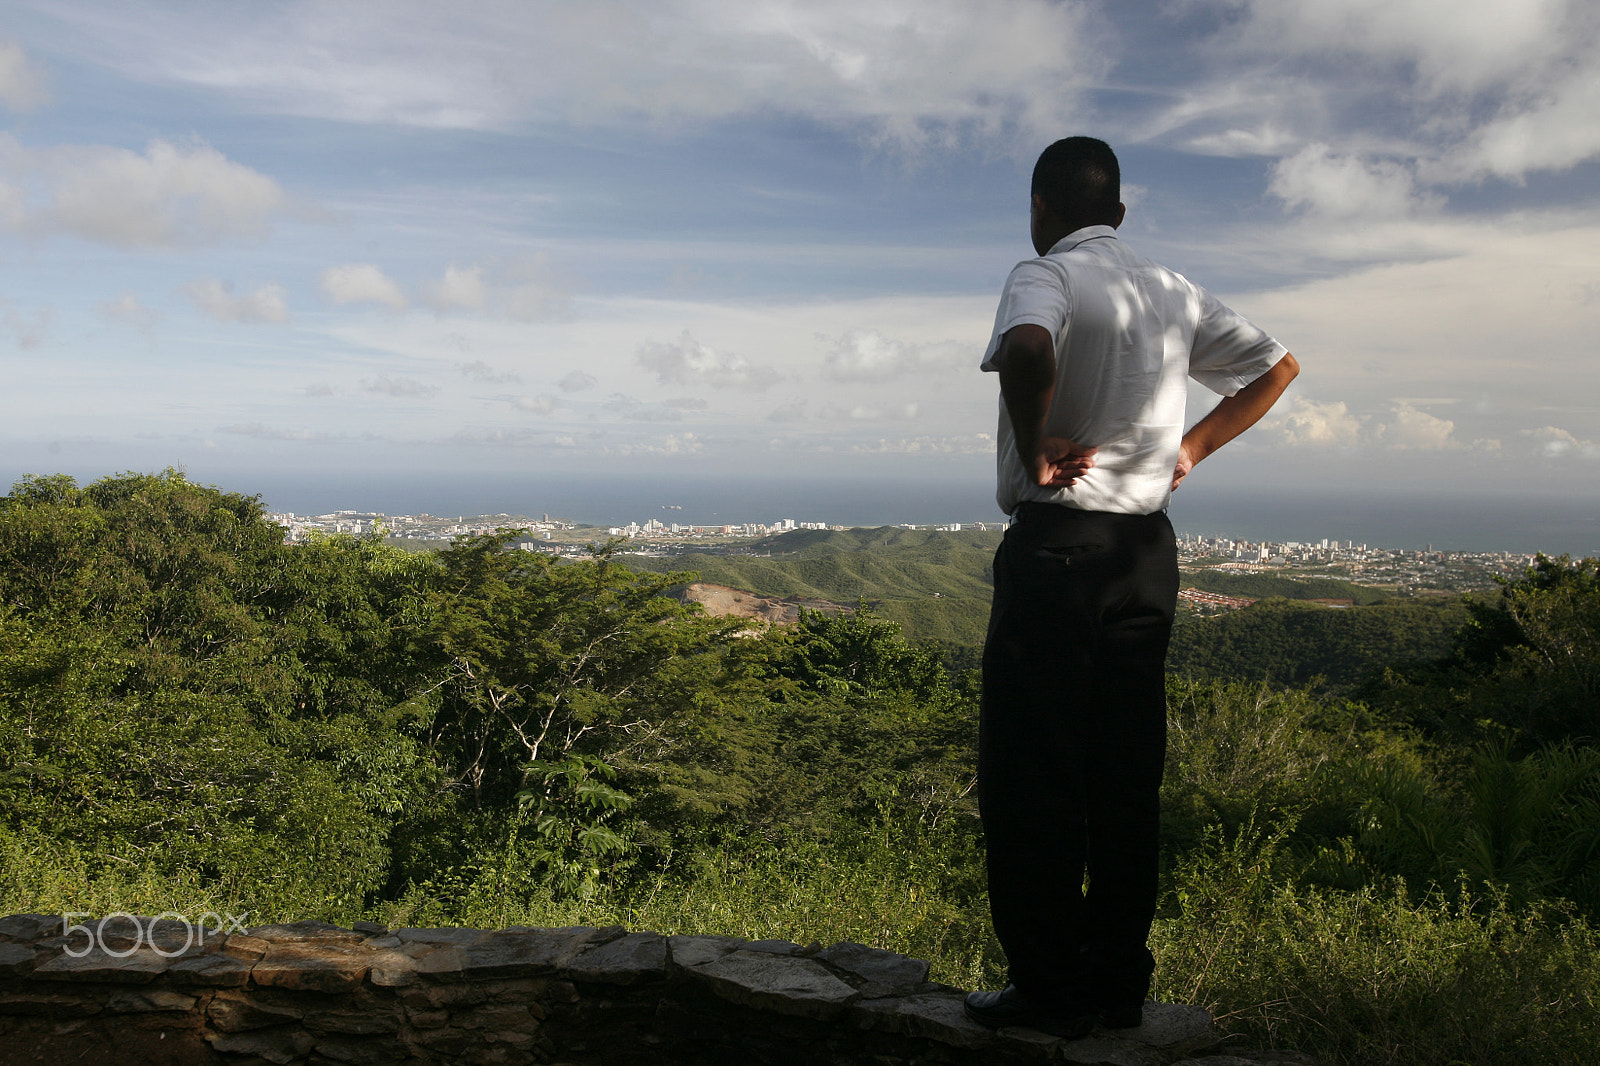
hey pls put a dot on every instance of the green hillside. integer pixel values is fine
(936, 585)
(1261, 586)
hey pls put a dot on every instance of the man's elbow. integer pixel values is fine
(1288, 368)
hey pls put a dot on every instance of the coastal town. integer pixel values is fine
(1426, 568)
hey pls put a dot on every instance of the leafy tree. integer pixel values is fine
(1527, 661)
(181, 689)
(545, 659)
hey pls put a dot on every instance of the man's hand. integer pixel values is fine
(1186, 463)
(1060, 462)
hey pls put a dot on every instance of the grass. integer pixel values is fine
(1355, 978)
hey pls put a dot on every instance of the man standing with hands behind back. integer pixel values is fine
(1093, 344)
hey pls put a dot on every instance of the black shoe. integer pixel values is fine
(1124, 1017)
(997, 1010)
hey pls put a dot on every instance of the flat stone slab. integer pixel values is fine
(1109, 1051)
(128, 1001)
(172, 938)
(140, 966)
(514, 953)
(689, 951)
(392, 969)
(28, 928)
(16, 959)
(210, 971)
(635, 957)
(311, 967)
(779, 983)
(241, 946)
(1172, 1026)
(931, 1015)
(876, 973)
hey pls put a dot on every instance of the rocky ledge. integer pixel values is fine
(149, 991)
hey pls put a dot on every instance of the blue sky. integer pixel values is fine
(691, 240)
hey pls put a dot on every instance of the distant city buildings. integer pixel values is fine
(1346, 560)
(1341, 559)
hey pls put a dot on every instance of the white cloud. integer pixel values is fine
(400, 387)
(638, 411)
(217, 299)
(973, 444)
(28, 329)
(1413, 429)
(1309, 423)
(671, 444)
(789, 412)
(22, 85)
(870, 413)
(361, 283)
(1464, 88)
(1456, 45)
(1317, 424)
(1494, 310)
(1268, 138)
(1344, 186)
(904, 71)
(13, 203)
(478, 370)
(128, 311)
(1558, 129)
(266, 432)
(867, 355)
(686, 403)
(539, 405)
(578, 381)
(1553, 442)
(688, 362)
(167, 197)
(537, 290)
(459, 287)
(500, 436)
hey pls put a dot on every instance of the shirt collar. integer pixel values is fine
(1078, 236)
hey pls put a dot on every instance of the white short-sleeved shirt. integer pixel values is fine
(1127, 333)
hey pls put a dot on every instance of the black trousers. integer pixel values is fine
(1071, 747)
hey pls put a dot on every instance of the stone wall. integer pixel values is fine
(168, 994)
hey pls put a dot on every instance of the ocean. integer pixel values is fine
(1553, 525)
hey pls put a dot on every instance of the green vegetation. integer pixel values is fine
(1401, 865)
(1294, 642)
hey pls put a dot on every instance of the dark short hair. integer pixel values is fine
(1078, 178)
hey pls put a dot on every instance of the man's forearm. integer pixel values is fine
(1027, 365)
(1028, 384)
(1239, 412)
